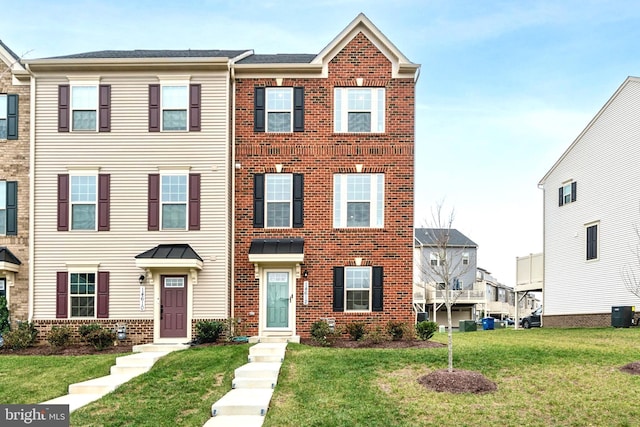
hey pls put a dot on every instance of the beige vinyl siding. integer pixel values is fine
(129, 153)
(604, 163)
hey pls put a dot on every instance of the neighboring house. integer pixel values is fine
(529, 278)
(590, 231)
(500, 299)
(132, 190)
(14, 182)
(448, 251)
(324, 173)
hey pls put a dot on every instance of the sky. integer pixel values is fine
(504, 88)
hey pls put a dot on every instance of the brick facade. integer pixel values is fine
(14, 166)
(318, 153)
(590, 320)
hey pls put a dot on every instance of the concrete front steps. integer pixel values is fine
(247, 403)
(126, 368)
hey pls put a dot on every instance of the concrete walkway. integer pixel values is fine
(126, 368)
(248, 401)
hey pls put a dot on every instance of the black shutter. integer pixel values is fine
(258, 200)
(592, 242)
(298, 109)
(12, 116)
(298, 197)
(258, 109)
(64, 102)
(338, 288)
(574, 191)
(560, 197)
(12, 208)
(376, 289)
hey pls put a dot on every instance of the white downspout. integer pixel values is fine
(32, 180)
(233, 186)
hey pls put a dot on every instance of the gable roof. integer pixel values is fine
(12, 60)
(429, 236)
(279, 58)
(144, 53)
(402, 67)
(586, 129)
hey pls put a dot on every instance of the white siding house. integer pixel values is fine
(591, 210)
(132, 187)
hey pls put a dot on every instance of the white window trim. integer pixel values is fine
(267, 111)
(95, 292)
(83, 172)
(88, 82)
(6, 116)
(186, 202)
(566, 193)
(341, 109)
(434, 256)
(374, 221)
(266, 201)
(370, 290)
(171, 83)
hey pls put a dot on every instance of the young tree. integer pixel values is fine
(442, 265)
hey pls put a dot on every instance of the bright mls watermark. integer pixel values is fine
(34, 415)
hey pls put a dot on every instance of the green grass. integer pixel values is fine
(35, 379)
(544, 377)
(178, 391)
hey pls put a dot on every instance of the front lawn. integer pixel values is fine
(35, 379)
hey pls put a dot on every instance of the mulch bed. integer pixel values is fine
(458, 381)
(71, 350)
(632, 368)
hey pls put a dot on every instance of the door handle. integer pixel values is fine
(291, 298)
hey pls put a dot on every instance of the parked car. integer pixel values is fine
(534, 320)
(509, 321)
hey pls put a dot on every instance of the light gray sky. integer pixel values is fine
(504, 89)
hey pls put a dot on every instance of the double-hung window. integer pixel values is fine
(82, 293)
(278, 199)
(567, 193)
(358, 288)
(359, 110)
(279, 109)
(84, 200)
(175, 104)
(173, 198)
(358, 200)
(434, 259)
(84, 108)
(3, 208)
(8, 116)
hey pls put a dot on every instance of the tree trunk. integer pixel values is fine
(450, 336)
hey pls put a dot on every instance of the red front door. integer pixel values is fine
(173, 307)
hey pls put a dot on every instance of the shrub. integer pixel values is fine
(5, 326)
(320, 330)
(396, 330)
(24, 336)
(101, 338)
(376, 336)
(356, 330)
(209, 331)
(86, 330)
(426, 329)
(59, 336)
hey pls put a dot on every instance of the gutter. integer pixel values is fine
(32, 180)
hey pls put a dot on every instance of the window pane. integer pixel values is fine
(174, 188)
(3, 129)
(84, 97)
(278, 214)
(358, 214)
(3, 222)
(360, 99)
(83, 217)
(174, 120)
(279, 122)
(3, 106)
(357, 300)
(82, 292)
(175, 98)
(84, 120)
(359, 187)
(279, 187)
(83, 188)
(380, 124)
(3, 194)
(358, 277)
(359, 122)
(279, 99)
(174, 216)
(82, 306)
(337, 114)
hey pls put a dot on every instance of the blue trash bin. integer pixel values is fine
(488, 323)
